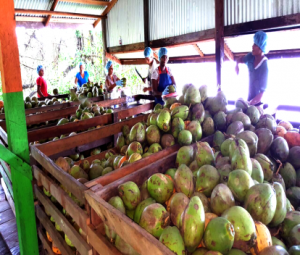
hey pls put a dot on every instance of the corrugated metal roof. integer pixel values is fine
(125, 20)
(177, 17)
(61, 7)
(80, 8)
(33, 4)
(240, 11)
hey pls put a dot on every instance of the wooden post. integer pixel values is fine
(16, 129)
(219, 38)
(146, 23)
(104, 39)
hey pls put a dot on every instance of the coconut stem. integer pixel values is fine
(280, 165)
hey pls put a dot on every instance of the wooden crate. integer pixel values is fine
(48, 131)
(129, 231)
(143, 242)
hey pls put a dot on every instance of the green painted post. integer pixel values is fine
(22, 186)
(16, 129)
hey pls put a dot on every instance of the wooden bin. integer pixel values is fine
(81, 142)
(48, 131)
(143, 242)
(128, 230)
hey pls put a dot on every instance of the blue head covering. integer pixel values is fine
(81, 64)
(162, 51)
(108, 65)
(148, 52)
(39, 68)
(261, 39)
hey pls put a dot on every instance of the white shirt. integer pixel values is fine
(155, 73)
(109, 81)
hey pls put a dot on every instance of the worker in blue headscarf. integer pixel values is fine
(152, 62)
(162, 77)
(82, 76)
(111, 80)
(257, 64)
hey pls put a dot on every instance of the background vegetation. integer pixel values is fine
(60, 52)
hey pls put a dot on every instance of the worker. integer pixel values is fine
(152, 62)
(41, 83)
(257, 64)
(111, 80)
(162, 77)
(82, 77)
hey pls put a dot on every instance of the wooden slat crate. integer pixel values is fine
(143, 242)
(130, 232)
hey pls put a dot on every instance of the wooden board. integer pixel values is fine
(99, 242)
(71, 184)
(46, 244)
(74, 236)
(78, 215)
(57, 238)
(87, 137)
(8, 196)
(119, 173)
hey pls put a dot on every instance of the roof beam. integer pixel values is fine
(52, 9)
(266, 24)
(90, 2)
(53, 13)
(228, 53)
(198, 50)
(113, 58)
(135, 47)
(106, 11)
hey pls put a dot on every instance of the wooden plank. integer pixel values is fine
(78, 215)
(74, 236)
(89, 2)
(135, 110)
(4, 206)
(104, 38)
(228, 53)
(4, 250)
(200, 52)
(56, 237)
(6, 215)
(124, 171)
(146, 22)
(100, 243)
(87, 137)
(6, 168)
(54, 13)
(135, 47)
(47, 116)
(51, 9)
(192, 59)
(219, 38)
(187, 39)
(57, 131)
(8, 196)
(10, 233)
(72, 185)
(113, 58)
(136, 61)
(46, 244)
(266, 24)
(129, 231)
(6, 179)
(98, 156)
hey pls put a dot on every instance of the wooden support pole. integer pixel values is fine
(52, 9)
(113, 58)
(146, 23)
(104, 40)
(228, 53)
(219, 38)
(200, 52)
(16, 128)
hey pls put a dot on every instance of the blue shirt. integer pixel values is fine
(258, 77)
(80, 80)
